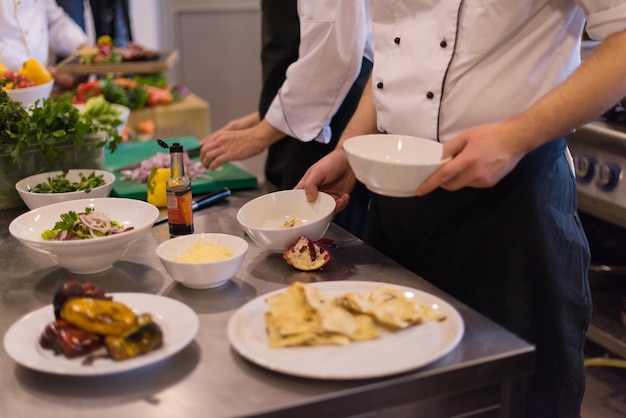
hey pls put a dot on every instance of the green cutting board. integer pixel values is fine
(128, 154)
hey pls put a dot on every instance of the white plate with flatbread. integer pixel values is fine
(394, 352)
(178, 322)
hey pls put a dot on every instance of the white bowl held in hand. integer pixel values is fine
(36, 200)
(202, 274)
(276, 220)
(393, 165)
(85, 256)
(29, 95)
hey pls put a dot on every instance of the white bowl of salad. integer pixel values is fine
(85, 236)
(61, 186)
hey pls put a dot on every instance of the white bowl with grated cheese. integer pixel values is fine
(202, 261)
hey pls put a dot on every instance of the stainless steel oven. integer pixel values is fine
(599, 152)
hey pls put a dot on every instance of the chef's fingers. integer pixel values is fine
(310, 187)
(341, 203)
(435, 180)
(447, 171)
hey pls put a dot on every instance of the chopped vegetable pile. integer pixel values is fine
(61, 184)
(84, 225)
(193, 169)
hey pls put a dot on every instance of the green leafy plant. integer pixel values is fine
(47, 125)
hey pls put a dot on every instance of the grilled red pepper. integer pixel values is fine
(71, 341)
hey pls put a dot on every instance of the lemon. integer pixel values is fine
(156, 186)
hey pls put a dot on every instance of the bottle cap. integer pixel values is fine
(176, 147)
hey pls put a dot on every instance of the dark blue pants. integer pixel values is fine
(515, 252)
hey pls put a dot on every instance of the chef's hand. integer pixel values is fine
(237, 144)
(331, 174)
(248, 121)
(482, 156)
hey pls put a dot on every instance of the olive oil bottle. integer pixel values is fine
(179, 198)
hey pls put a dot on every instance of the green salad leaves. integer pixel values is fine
(61, 184)
(84, 225)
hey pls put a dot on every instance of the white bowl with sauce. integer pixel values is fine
(204, 260)
(276, 220)
(85, 256)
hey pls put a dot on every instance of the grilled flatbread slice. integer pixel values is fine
(276, 340)
(334, 318)
(390, 307)
(292, 314)
(301, 315)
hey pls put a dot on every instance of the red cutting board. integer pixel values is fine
(128, 154)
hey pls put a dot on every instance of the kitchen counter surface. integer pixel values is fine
(208, 378)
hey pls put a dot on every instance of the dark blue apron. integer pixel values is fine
(515, 252)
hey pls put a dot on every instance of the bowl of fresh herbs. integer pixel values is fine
(49, 137)
(61, 186)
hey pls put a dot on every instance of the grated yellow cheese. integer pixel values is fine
(205, 251)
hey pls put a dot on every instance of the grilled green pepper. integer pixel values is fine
(145, 337)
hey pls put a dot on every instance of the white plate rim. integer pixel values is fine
(246, 334)
(179, 323)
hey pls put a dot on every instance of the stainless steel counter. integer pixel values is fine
(208, 378)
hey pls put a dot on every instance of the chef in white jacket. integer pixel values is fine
(31, 28)
(316, 60)
(500, 83)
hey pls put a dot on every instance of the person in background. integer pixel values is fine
(30, 28)
(110, 17)
(500, 83)
(314, 70)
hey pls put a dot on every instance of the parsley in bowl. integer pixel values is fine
(62, 186)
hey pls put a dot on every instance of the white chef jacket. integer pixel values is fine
(30, 28)
(443, 66)
(335, 35)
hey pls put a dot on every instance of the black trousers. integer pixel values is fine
(515, 252)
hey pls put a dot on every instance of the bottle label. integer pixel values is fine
(179, 208)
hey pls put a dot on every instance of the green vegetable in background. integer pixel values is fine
(60, 184)
(154, 80)
(135, 98)
(45, 127)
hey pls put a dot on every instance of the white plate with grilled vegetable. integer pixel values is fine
(393, 352)
(178, 322)
(61, 186)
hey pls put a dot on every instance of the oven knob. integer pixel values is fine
(608, 176)
(584, 167)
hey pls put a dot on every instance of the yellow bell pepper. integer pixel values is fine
(156, 186)
(35, 71)
(3, 69)
(99, 316)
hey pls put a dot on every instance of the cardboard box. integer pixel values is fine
(189, 117)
